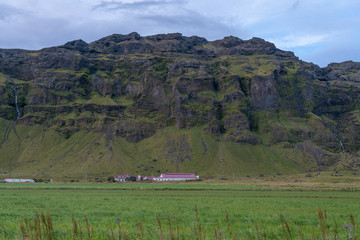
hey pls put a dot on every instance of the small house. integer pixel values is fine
(123, 178)
(176, 177)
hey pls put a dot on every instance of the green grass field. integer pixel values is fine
(252, 211)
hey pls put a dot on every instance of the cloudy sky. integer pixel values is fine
(318, 31)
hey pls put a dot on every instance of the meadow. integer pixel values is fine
(177, 211)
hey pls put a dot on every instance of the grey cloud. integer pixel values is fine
(35, 26)
(114, 5)
(185, 19)
(190, 23)
(48, 32)
(7, 11)
(329, 54)
(152, 17)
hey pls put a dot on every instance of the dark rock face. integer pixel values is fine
(78, 45)
(134, 43)
(134, 132)
(233, 45)
(346, 71)
(244, 91)
(263, 93)
(229, 42)
(238, 129)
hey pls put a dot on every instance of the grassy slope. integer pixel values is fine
(48, 154)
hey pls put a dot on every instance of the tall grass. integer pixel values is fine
(41, 228)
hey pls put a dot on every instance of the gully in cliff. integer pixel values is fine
(16, 104)
(18, 115)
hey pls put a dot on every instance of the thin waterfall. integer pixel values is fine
(336, 134)
(340, 142)
(342, 146)
(16, 104)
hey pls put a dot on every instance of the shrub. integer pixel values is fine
(111, 179)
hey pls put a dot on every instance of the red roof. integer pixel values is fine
(178, 175)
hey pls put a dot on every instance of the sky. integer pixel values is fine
(318, 31)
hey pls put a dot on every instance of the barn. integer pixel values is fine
(13, 180)
(176, 177)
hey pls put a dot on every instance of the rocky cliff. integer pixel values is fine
(127, 103)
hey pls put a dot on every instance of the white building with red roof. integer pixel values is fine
(122, 178)
(176, 177)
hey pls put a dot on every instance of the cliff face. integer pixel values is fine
(157, 103)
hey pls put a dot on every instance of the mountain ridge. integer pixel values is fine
(253, 103)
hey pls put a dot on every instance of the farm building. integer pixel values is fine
(123, 178)
(13, 180)
(176, 177)
(148, 178)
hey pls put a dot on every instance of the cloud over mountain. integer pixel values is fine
(310, 28)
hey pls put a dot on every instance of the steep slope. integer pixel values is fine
(127, 103)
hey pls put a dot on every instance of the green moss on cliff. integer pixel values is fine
(100, 100)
